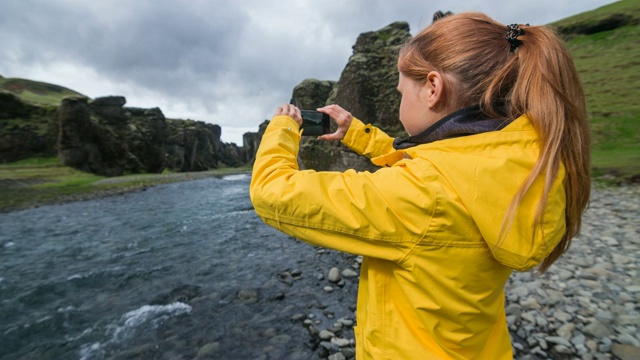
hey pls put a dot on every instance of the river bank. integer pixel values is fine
(30, 186)
(280, 298)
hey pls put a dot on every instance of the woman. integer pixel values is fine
(494, 176)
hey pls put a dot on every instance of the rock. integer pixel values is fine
(345, 322)
(326, 335)
(578, 340)
(26, 130)
(209, 350)
(336, 356)
(562, 316)
(311, 93)
(367, 88)
(349, 273)
(530, 303)
(298, 317)
(106, 138)
(181, 294)
(513, 309)
(566, 331)
(249, 295)
(296, 273)
(340, 342)
(328, 289)
(281, 340)
(628, 319)
(562, 349)
(521, 291)
(597, 329)
(313, 331)
(348, 352)
(604, 316)
(625, 352)
(558, 340)
(626, 338)
(334, 275)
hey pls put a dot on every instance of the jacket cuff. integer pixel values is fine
(358, 136)
(285, 122)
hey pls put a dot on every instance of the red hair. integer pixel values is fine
(538, 79)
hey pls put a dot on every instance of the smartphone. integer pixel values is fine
(314, 123)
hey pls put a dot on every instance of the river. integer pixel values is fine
(178, 271)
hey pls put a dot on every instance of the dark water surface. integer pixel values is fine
(169, 273)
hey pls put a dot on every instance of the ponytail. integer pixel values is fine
(547, 89)
(534, 76)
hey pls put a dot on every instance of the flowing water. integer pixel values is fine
(174, 272)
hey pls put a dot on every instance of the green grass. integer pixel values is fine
(629, 7)
(35, 92)
(609, 66)
(36, 161)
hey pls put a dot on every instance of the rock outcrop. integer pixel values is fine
(25, 130)
(251, 141)
(91, 143)
(367, 88)
(104, 137)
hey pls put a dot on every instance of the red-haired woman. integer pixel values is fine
(494, 176)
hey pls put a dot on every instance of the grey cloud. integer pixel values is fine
(228, 62)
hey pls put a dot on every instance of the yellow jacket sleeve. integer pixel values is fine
(356, 212)
(367, 140)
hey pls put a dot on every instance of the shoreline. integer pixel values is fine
(584, 307)
(108, 187)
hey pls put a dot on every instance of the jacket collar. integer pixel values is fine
(466, 121)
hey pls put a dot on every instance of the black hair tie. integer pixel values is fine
(512, 35)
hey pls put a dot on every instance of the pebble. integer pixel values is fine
(349, 273)
(340, 342)
(626, 352)
(334, 275)
(326, 335)
(588, 289)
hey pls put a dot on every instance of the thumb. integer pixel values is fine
(329, 137)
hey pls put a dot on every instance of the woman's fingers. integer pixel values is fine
(342, 118)
(289, 110)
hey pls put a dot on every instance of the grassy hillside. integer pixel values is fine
(609, 65)
(36, 92)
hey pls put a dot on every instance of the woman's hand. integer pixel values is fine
(342, 117)
(291, 111)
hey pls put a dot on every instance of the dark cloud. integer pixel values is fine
(227, 62)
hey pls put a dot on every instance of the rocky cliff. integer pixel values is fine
(25, 130)
(366, 88)
(104, 137)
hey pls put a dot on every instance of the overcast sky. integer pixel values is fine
(225, 62)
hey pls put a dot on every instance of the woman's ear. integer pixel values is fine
(433, 91)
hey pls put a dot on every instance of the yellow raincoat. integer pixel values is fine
(432, 279)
